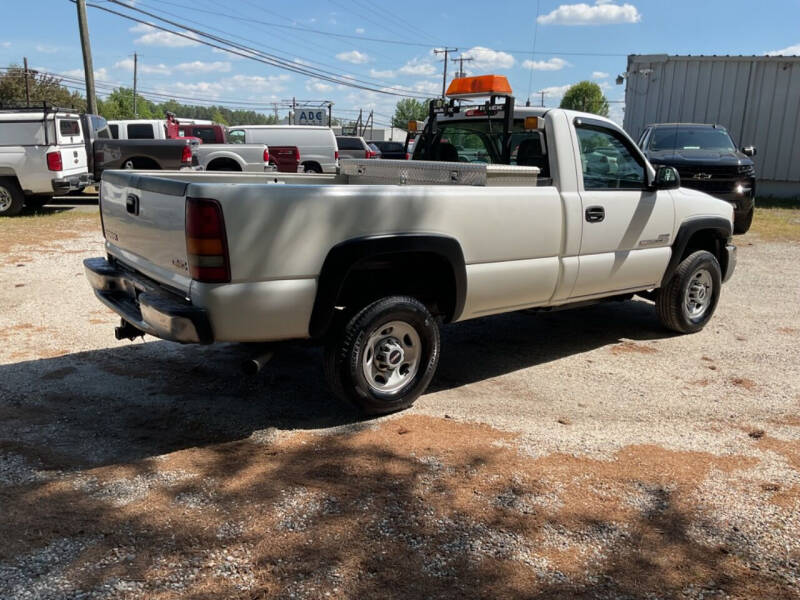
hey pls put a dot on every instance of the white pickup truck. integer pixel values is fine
(562, 210)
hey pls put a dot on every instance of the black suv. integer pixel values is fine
(707, 160)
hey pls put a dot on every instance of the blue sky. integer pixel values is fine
(574, 41)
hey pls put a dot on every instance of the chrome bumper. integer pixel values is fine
(146, 306)
(730, 251)
(73, 183)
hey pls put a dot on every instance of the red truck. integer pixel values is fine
(285, 158)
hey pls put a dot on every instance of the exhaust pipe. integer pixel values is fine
(253, 365)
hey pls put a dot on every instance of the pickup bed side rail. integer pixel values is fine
(346, 255)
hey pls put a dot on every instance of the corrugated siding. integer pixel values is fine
(756, 98)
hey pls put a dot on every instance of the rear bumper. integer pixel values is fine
(146, 305)
(730, 263)
(72, 183)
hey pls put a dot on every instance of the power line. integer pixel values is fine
(254, 54)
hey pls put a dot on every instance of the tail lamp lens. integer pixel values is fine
(266, 155)
(54, 162)
(206, 242)
(186, 155)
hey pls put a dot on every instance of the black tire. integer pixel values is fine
(312, 168)
(742, 224)
(677, 299)
(349, 348)
(11, 197)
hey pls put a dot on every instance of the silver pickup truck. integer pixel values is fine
(372, 260)
(250, 158)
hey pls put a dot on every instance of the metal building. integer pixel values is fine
(757, 98)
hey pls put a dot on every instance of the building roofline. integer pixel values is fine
(714, 57)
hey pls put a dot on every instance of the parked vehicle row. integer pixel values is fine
(564, 210)
(46, 151)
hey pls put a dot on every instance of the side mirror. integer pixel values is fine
(667, 178)
(749, 150)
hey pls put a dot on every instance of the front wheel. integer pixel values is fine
(383, 359)
(688, 300)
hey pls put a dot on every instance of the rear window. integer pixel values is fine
(69, 127)
(349, 143)
(236, 136)
(389, 146)
(140, 132)
(207, 134)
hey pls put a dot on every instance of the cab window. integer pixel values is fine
(607, 161)
(114, 130)
(236, 136)
(140, 131)
(206, 134)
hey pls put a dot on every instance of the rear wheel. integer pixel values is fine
(742, 224)
(383, 359)
(312, 168)
(11, 197)
(688, 300)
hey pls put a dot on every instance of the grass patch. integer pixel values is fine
(777, 224)
(34, 230)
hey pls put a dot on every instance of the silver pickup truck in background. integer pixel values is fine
(563, 210)
(249, 158)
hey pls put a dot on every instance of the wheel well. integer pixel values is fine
(223, 164)
(709, 240)
(311, 163)
(426, 276)
(144, 163)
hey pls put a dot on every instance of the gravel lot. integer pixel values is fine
(584, 454)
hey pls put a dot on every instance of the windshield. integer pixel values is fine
(478, 141)
(691, 138)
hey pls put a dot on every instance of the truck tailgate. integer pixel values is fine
(143, 220)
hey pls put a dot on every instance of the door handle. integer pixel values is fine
(595, 214)
(132, 204)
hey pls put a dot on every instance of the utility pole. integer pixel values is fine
(330, 113)
(135, 67)
(293, 120)
(542, 93)
(461, 60)
(88, 68)
(444, 51)
(27, 83)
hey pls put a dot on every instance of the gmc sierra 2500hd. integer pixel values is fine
(565, 210)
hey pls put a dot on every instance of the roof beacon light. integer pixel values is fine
(482, 85)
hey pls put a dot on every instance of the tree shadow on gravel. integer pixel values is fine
(140, 400)
(416, 508)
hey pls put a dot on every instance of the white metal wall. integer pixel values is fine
(757, 98)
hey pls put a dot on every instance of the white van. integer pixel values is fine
(317, 145)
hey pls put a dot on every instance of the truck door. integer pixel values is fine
(70, 140)
(627, 229)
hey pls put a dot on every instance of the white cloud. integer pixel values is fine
(156, 37)
(318, 86)
(126, 64)
(600, 75)
(486, 58)
(616, 112)
(354, 56)
(360, 30)
(99, 74)
(45, 49)
(603, 12)
(388, 74)
(551, 64)
(788, 51)
(198, 66)
(555, 91)
(240, 86)
(5, 44)
(427, 87)
(418, 67)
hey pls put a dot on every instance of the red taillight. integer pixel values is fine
(186, 155)
(54, 162)
(335, 155)
(408, 156)
(297, 155)
(370, 154)
(266, 155)
(475, 112)
(206, 242)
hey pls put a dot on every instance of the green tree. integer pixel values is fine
(586, 96)
(409, 109)
(42, 88)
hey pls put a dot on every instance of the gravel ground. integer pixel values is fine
(585, 454)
